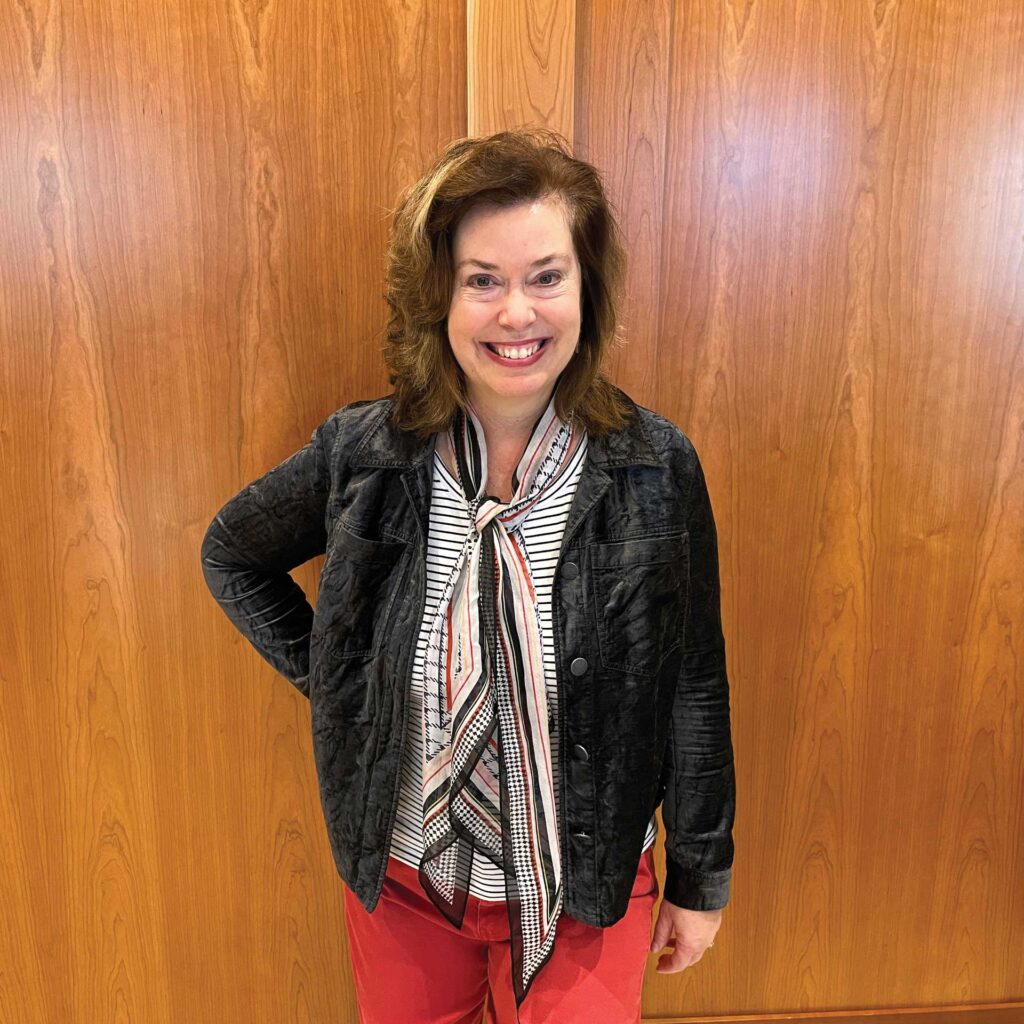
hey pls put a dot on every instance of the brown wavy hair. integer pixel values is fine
(503, 169)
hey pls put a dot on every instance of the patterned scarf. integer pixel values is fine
(487, 780)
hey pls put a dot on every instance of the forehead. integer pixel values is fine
(489, 230)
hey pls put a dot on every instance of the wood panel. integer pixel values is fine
(193, 212)
(623, 124)
(839, 329)
(520, 65)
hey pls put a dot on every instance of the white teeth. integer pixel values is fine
(516, 353)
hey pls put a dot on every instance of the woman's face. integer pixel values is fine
(516, 291)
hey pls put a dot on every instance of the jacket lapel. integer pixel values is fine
(385, 446)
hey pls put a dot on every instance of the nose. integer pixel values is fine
(517, 311)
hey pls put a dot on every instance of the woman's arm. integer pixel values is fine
(264, 531)
(700, 792)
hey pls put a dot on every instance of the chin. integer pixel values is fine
(502, 392)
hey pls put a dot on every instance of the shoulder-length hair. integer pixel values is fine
(503, 169)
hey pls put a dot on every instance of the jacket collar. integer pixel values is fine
(384, 445)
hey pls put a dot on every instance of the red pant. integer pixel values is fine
(412, 966)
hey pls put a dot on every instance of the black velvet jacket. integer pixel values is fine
(642, 686)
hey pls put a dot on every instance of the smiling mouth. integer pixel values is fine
(521, 351)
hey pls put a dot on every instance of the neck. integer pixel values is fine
(509, 425)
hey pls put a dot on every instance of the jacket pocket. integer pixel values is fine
(358, 585)
(639, 590)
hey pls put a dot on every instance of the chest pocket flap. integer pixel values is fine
(639, 592)
(358, 585)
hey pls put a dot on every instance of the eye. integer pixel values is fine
(478, 277)
(548, 273)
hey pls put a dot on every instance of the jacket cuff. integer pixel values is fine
(696, 890)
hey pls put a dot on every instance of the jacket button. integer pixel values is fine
(578, 666)
(581, 835)
(580, 752)
(570, 571)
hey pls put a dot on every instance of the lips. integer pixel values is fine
(522, 361)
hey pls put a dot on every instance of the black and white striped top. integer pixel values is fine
(542, 533)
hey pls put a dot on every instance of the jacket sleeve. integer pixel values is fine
(268, 528)
(700, 791)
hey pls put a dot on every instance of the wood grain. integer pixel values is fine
(192, 225)
(840, 330)
(520, 64)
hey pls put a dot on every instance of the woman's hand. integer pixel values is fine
(694, 931)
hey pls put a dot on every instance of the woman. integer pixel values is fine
(517, 652)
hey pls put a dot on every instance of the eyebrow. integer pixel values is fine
(493, 266)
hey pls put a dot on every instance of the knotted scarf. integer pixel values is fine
(487, 778)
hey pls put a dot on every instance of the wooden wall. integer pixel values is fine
(823, 208)
(825, 202)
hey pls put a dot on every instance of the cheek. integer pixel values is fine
(461, 331)
(567, 309)
(463, 321)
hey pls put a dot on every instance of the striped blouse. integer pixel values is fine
(542, 534)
